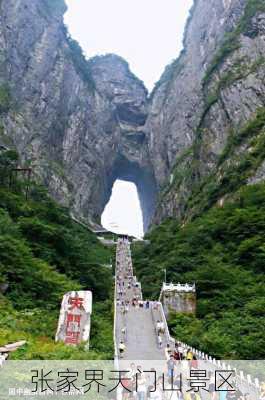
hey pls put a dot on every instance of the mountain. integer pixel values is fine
(77, 122)
(206, 118)
(82, 124)
(206, 125)
(195, 147)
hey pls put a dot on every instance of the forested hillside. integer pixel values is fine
(223, 251)
(44, 254)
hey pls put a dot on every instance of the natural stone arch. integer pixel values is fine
(143, 178)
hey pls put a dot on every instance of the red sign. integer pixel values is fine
(73, 321)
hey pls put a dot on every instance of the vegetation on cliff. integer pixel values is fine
(219, 243)
(80, 62)
(223, 252)
(4, 98)
(232, 42)
(44, 254)
(239, 161)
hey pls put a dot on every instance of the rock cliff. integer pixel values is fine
(200, 112)
(82, 124)
(78, 123)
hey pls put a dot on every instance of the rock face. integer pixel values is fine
(203, 99)
(79, 123)
(84, 124)
(178, 299)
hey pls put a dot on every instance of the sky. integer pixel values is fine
(148, 34)
(123, 213)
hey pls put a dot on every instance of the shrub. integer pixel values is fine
(5, 98)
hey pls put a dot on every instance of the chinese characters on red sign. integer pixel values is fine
(73, 321)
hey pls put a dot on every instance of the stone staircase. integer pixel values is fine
(140, 335)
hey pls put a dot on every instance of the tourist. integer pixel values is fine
(155, 393)
(212, 391)
(126, 383)
(123, 331)
(180, 350)
(189, 355)
(162, 327)
(231, 395)
(246, 396)
(195, 396)
(160, 341)
(159, 389)
(132, 371)
(194, 362)
(122, 348)
(167, 351)
(178, 382)
(175, 395)
(119, 393)
(141, 387)
(223, 394)
(171, 364)
(262, 394)
(176, 353)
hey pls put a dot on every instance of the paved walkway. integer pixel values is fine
(135, 323)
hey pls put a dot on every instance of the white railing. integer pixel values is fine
(170, 339)
(154, 321)
(247, 380)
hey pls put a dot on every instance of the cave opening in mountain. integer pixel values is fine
(130, 197)
(123, 213)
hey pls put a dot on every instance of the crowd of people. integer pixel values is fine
(140, 386)
(128, 292)
(128, 289)
(148, 385)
